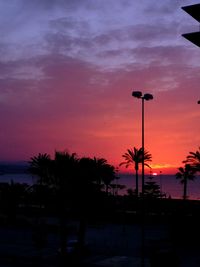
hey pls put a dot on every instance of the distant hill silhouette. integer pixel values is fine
(13, 167)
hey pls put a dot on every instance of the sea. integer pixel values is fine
(169, 185)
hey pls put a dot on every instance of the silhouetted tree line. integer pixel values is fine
(78, 185)
(73, 178)
(85, 188)
(189, 170)
(133, 158)
(66, 186)
(68, 182)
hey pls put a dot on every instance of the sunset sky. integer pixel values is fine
(68, 68)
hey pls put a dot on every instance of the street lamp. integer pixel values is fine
(146, 97)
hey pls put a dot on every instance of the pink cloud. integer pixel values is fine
(72, 90)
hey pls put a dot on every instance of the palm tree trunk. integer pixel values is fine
(185, 189)
(62, 219)
(136, 183)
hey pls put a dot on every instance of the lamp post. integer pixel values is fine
(146, 97)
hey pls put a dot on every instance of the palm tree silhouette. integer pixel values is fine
(64, 168)
(76, 183)
(98, 165)
(88, 184)
(194, 160)
(93, 175)
(185, 173)
(106, 173)
(133, 157)
(40, 166)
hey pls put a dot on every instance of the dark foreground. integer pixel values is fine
(161, 237)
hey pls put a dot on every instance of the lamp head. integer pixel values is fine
(148, 97)
(137, 94)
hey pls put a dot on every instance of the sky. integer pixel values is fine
(68, 69)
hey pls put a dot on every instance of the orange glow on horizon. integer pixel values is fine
(162, 169)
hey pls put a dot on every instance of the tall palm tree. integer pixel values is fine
(88, 181)
(94, 173)
(194, 160)
(133, 157)
(64, 171)
(108, 175)
(40, 166)
(105, 172)
(64, 168)
(184, 174)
